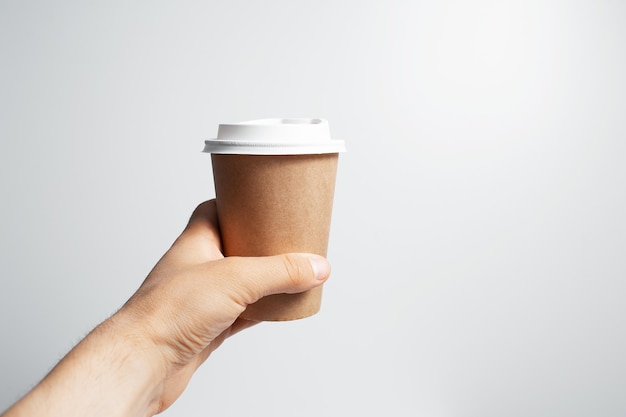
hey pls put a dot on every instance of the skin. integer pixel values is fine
(139, 361)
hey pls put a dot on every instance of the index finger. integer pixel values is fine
(200, 241)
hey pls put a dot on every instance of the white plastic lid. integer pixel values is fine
(275, 137)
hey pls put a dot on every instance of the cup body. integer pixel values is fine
(273, 204)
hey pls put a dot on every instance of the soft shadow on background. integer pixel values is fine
(478, 237)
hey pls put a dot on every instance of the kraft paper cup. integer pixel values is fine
(274, 185)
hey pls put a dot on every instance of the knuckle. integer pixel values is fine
(293, 270)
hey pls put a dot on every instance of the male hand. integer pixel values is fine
(191, 301)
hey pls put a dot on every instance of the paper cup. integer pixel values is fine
(274, 185)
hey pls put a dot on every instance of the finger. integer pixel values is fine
(203, 223)
(251, 278)
(200, 241)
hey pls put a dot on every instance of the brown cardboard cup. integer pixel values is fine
(269, 204)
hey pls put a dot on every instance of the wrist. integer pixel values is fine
(139, 370)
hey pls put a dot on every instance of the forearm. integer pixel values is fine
(110, 373)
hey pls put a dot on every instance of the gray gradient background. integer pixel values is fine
(478, 243)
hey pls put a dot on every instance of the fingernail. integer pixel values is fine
(321, 267)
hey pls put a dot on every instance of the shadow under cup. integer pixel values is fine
(273, 204)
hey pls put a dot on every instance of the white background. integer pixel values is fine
(478, 241)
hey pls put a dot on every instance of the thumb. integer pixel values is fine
(252, 278)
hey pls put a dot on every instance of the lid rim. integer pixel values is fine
(273, 148)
